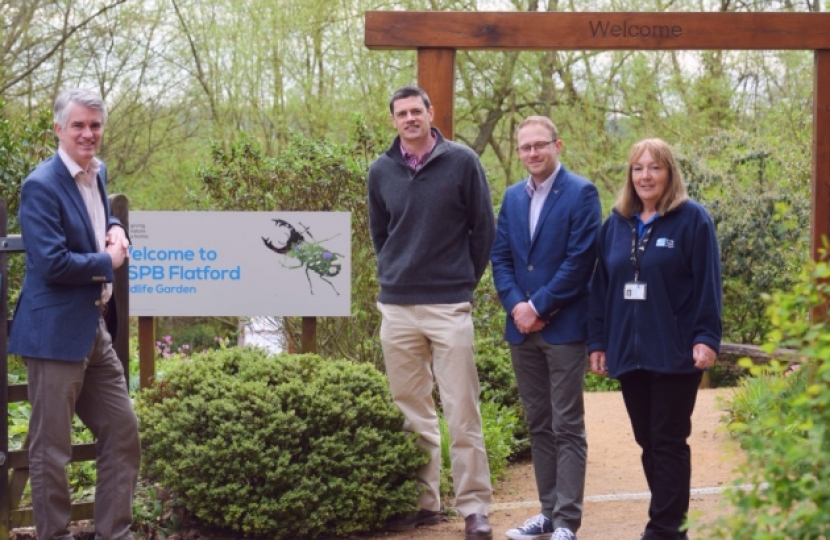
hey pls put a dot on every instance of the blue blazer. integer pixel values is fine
(553, 269)
(57, 313)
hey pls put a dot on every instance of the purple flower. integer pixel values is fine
(326, 255)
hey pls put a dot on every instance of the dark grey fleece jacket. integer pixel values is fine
(432, 229)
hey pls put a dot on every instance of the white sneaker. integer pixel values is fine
(561, 533)
(536, 528)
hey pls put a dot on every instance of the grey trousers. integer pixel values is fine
(551, 380)
(94, 389)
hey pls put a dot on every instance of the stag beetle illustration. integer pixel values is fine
(311, 254)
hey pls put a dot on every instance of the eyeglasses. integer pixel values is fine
(539, 146)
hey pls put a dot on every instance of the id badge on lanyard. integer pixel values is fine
(636, 290)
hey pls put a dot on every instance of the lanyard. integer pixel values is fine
(638, 249)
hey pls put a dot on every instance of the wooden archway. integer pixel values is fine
(438, 35)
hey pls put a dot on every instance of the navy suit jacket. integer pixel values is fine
(57, 313)
(553, 269)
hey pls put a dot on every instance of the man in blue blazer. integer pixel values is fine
(542, 259)
(72, 246)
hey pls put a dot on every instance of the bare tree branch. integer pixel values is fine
(200, 74)
(57, 46)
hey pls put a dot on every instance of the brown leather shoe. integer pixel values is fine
(415, 519)
(477, 527)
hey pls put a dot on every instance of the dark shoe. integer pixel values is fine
(416, 519)
(536, 528)
(477, 528)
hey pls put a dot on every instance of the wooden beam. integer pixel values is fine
(25, 517)
(19, 459)
(436, 74)
(596, 31)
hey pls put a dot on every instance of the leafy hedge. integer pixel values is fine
(783, 423)
(759, 198)
(284, 446)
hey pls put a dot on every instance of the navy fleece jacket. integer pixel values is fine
(682, 272)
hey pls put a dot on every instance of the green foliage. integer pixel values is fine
(756, 394)
(23, 144)
(499, 425)
(310, 175)
(185, 335)
(758, 196)
(597, 383)
(783, 423)
(495, 373)
(81, 474)
(498, 386)
(726, 375)
(19, 414)
(488, 315)
(156, 513)
(249, 443)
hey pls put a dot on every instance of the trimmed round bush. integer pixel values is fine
(287, 446)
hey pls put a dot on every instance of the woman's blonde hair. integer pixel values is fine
(629, 202)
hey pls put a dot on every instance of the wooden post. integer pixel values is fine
(436, 75)
(4, 377)
(821, 163)
(120, 208)
(309, 337)
(146, 351)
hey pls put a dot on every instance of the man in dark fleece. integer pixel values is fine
(432, 226)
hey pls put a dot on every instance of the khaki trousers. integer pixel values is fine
(94, 389)
(422, 345)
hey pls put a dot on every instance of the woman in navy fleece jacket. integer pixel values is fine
(655, 320)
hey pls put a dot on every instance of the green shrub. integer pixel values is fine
(499, 428)
(598, 383)
(758, 196)
(498, 386)
(495, 373)
(25, 141)
(783, 424)
(725, 375)
(282, 446)
(446, 487)
(498, 424)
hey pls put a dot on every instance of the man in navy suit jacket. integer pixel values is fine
(542, 259)
(72, 247)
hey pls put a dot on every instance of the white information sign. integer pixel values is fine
(240, 264)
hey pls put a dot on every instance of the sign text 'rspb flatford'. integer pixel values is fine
(240, 263)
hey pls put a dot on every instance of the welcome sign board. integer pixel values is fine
(240, 264)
